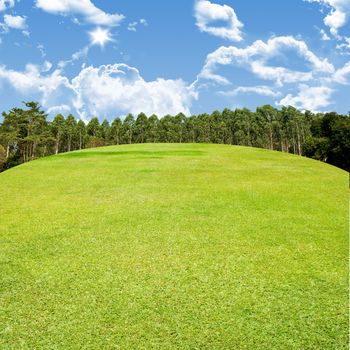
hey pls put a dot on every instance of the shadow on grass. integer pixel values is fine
(138, 154)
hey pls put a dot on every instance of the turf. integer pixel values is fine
(174, 247)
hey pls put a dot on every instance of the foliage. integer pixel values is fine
(331, 140)
(2, 157)
(27, 135)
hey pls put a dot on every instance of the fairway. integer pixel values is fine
(174, 246)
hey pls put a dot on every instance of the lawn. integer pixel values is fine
(171, 246)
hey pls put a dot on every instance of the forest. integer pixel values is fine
(27, 134)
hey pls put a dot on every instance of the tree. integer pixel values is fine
(93, 127)
(95, 133)
(10, 131)
(3, 157)
(105, 131)
(57, 127)
(228, 119)
(330, 141)
(291, 129)
(219, 132)
(190, 129)
(152, 129)
(115, 132)
(339, 143)
(36, 119)
(269, 115)
(167, 129)
(128, 128)
(141, 128)
(81, 132)
(70, 131)
(25, 134)
(241, 121)
(203, 128)
(23, 131)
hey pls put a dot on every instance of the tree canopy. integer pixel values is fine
(27, 134)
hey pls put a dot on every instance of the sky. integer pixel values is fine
(110, 58)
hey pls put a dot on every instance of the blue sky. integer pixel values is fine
(109, 58)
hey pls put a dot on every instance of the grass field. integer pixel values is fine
(174, 247)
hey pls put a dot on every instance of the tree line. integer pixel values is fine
(27, 134)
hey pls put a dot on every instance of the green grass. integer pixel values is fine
(174, 247)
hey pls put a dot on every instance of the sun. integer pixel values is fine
(100, 36)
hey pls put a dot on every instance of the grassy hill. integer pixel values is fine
(174, 247)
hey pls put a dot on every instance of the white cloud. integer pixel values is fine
(50, 89)
(62, 109)
(41, 48)
(33, 79)
(207, 13)
(143, 22)
(342, 75)
(255, 58)
(80, 54)
(103, 91)
(258, 90)
(15, 22)
(120, 88)
(46, 67)
(338, 15)
(133, 25)
(344, 47)
(5, 4)
(85, 8)
(324, 35)
(309, 98)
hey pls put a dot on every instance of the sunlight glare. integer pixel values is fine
(100, 36)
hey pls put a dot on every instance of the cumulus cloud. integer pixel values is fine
(256, 56)
(309, 98)
(5, 4)
(35, 80)
(338, 15)
(85, 8)
(103, 91)
(120, 88)
(207, 13)
(15, 22)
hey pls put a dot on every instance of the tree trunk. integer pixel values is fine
(294, 148)
(271, 138)
(299, 142)
(249, 140)
(57, 146)
(33, 150)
